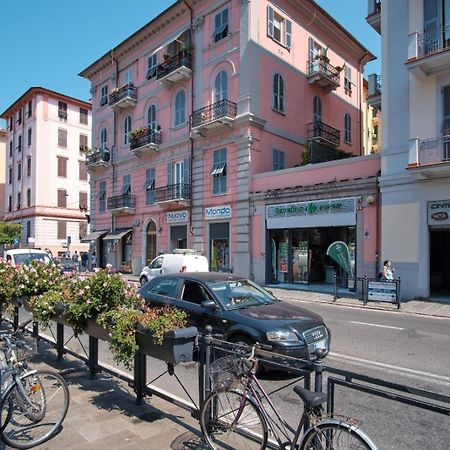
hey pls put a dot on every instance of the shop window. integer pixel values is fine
(219, 234)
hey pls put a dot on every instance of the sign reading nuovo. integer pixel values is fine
(218, 212)
(177, 216)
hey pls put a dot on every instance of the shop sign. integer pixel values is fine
(439, 213)
(382, 291)
(177, 216)
(218, 212)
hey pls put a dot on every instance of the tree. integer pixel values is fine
(9, 232)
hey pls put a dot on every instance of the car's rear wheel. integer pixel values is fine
(143, 280)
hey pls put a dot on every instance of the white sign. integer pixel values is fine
(218, 212)
(31, 240)
(177, 216)
(439, 213)
(382, 291)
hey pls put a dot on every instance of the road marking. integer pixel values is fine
(376, 325)
(414, 373)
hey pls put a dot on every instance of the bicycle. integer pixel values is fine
(33, 403)
(234, 416)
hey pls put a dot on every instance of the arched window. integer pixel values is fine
(278, 92)
(180, 108)
(221, 86)
(151, 118)
(348, 127)
(317, 109)
(126, 130)
(103, 139)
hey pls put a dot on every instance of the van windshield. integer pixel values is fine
(26, 258)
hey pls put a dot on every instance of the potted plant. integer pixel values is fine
(8, 286)
(137, 133)
(166, 57)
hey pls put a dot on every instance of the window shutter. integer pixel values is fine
(281, 160)
(311, 48)
(288, 34)
(269, 21)
(447, 101)
(186, 171)
(170, 174)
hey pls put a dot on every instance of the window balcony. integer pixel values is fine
(217, 117)
(428, 53)
(146, 144)
(123, 98)
(179, 194)
(62, 114)
(374, 15)
(121, 204)
(321, 72)
(175, 69)
(429, 158)
(98, 158)
(324, 134)
(374, 92)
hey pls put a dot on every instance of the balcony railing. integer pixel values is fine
(182, 59)
(432, 151)
(216, 111)
(121, 202)
(323, 71)
(173, 192)
(123, 97)
(374, 14)
(152, 138)
(98, 157)
(433, 42)
(319, 130)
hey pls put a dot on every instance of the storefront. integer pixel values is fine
(118, 249)
(178, 228)
(219, 237)
(299, 234)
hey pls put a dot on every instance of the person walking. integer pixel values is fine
(84, 261)
(387, 273)
(94, 260)
(75, 259)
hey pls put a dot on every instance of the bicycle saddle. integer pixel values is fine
(309, 398)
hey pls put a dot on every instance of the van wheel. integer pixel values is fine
(143, 280)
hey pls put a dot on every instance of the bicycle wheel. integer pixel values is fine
(334, 434)
(230, 421)
(34, 407)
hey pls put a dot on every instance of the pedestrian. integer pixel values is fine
(75, 256)
(387, 273)
(84, 260)
(94, 260)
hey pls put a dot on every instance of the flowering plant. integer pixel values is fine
(8, 284)
(138, 132)
(36, 278)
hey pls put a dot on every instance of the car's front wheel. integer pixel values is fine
(143, 280)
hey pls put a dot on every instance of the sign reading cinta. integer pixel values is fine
(439, 213)
(177, 216)
(218, 212)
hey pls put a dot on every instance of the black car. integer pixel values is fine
(66, 265)
(241, 311)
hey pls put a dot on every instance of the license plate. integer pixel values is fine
(322, 345)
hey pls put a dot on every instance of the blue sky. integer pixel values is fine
(48, 42)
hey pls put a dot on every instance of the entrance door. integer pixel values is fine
(151, 242)
(439, 262)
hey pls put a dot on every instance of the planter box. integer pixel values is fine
(95, 330)
(177, 346)
(23, 301)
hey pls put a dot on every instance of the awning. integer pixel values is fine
(117, 234)
(93, 236)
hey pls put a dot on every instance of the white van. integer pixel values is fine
(180, 261)
(26, 255)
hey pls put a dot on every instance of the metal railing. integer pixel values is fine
(434, 150)
(180, 191)
(318, 66)
(127, 91)
(321, 130)
(218, 110)
(98, 156)
(121, 201)
(62, 114)
(182, 59)
(152, 137)
(434, 41)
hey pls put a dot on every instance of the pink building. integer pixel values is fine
(196, 105)
(2, 172)
(47, 187)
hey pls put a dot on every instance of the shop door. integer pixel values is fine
(440, 262)
(151, 243)
(300, 256)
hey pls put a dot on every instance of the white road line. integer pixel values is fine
(414, 373)
(376, 325)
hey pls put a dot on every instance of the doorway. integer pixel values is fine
(151, 242)
(439, 261)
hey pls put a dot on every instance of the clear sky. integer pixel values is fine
(49, 42)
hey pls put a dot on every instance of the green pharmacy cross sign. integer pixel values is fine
(338, 251)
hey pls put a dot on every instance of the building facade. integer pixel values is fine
(415, 182)
(202, 99)
(2, 172)
(47, 186)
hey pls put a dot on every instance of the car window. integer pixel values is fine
(194, 293)
(157, 263)
(26, 258)
(164, 287)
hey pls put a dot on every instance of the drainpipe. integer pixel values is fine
(114, 139)
(360, 87)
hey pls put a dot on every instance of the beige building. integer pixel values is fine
(371, 119)
(47, 186)
(2, 172)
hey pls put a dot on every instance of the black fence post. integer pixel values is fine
(318, 369)
(399, 300)
(335, 293)
(16, 318)
(93, 356)
(365, 290)
(59, 340)
(205, 361)
(140, 376)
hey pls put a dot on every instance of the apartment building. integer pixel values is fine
(204, 98)
(2, 172)
(47, 185)
(415, 182)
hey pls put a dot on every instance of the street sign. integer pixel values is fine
(69, 240)
(382, 291)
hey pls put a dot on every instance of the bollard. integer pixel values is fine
(59, 340)
(399, 302)
(16, 318)
(335, 294)
(140, 376)
(365, 290)
(93, 356)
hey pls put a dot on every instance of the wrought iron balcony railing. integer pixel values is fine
(182, 59)
(98, 156)
(322, 67)
(180, 191)
(216, 111)
(435, 150)
(121, 201)
(322, 131)
(127, 91)
(62, 114)
(152, 137)
(434, 41)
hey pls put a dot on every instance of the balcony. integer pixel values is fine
(428, 53)
(62, 114)
(123, 98)
(147, 143)
(429, 158)
(374, 15)
(98, 158)
(374, 92)
(173, 194)
(321, 72)
(121, 204)
(217, 117)
(324, 134)
(175, 69)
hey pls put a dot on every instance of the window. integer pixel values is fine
(28, 198)
(83, 201)
(83, 142)
(279, 28)
(62, 110)
(82, 230)
(151, 118)
(102, 196)
(151, 67)
(84, 116)
(19, 143)
(317, 109)
(62, 167)
(165, 287)
(126, 184)
(62, 138)
(10, 175)
(62, 198)
(103, 139)
(150, 186)
(29, 136)
(30, 109)
(10, 127)
(28, 229)
(278, 92)
(129, 76)
(62, 229)
(29, 166)
(18, 200)
(278, 160)
(221, 86)
(104, 95)
(10, 149)
(348, 128)
(180, 108)
(82, 171)
(219, 171)
(10, 203)
(126, 130)
(19, 171)
(220, 25)
(19, 116)
(348, 79)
